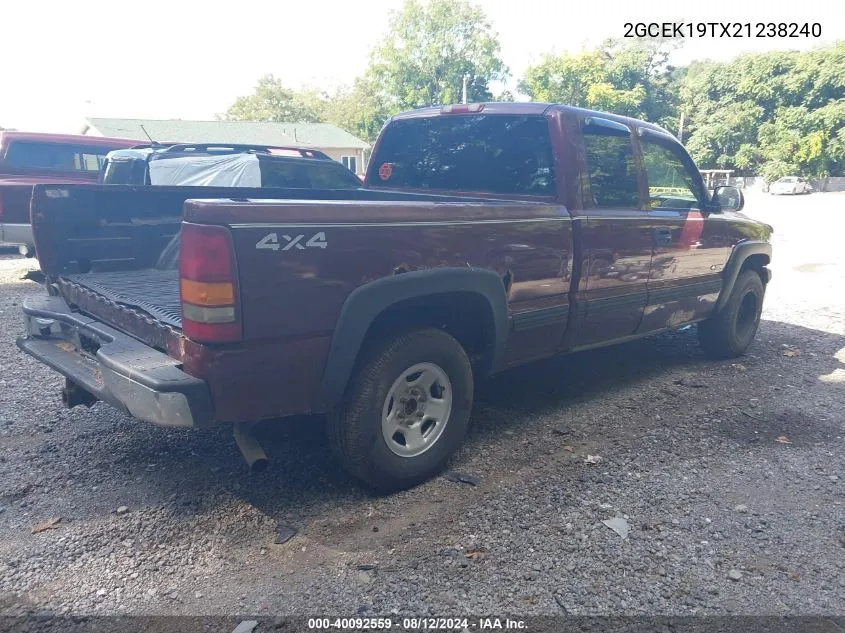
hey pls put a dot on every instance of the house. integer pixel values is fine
(332, 140)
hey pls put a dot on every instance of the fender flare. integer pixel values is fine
(740, 254)
(367, 302)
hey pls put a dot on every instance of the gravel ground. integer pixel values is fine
(729, 476)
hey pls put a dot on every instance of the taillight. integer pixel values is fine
(208, 284)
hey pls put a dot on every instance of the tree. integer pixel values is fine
(776, 113)
(271, 101)
(565, 78)
(629, 78)
(805, 142)
(726, 138)
(429, 50)
(427, 53)
(358, 109)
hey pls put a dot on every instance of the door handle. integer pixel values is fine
(662, 236)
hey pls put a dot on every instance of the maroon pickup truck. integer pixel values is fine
(29, 158)
(486, 236)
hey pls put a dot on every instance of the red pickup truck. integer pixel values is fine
(28, 158)
(486, 236)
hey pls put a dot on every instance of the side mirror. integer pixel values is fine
(729, 198)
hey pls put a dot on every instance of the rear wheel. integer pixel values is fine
(406, 410)
(729, 332)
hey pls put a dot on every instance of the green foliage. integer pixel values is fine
(718, 139)
(779, 113)
(429, 49)
(358, 109)
(564, 78)
(271, 101)
(427, 52)
(425, 55)
(810, 141)
(775, 169)
(626, 77)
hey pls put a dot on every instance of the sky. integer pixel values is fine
(189, 59)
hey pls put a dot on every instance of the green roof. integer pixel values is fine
(319, 135)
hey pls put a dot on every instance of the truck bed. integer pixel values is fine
(156, 292)
(112, 246)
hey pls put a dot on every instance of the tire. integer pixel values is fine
(358, 430)
(729, 332)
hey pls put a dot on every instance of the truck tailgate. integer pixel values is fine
(156, 292)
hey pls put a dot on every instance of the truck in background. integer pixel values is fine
(30, 158)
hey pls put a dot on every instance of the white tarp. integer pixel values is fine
(230, 170)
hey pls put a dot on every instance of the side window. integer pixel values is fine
(328, 175)
(671, 182)
(611, 167)
(91, 162)
(285, 174)
(54, 156)
(350, 162)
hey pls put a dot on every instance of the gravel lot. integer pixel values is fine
(730, 477)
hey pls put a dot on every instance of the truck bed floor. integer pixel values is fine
(153, 291)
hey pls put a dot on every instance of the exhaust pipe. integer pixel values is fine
(254, 455)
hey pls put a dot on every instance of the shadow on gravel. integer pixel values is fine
(304, 473)
(555, 385)
(303, 480)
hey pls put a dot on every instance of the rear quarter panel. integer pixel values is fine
(299, 291)
(291, 298)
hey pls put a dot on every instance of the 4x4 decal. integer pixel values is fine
(271, 242)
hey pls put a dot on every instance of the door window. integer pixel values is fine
(611, 167)
(672, 181)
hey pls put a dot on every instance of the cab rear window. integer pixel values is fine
(54, 156)
(493, 153)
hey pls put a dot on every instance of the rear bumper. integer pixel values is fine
(114, 367)
(16, 234)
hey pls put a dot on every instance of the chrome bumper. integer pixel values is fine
(114, 367)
